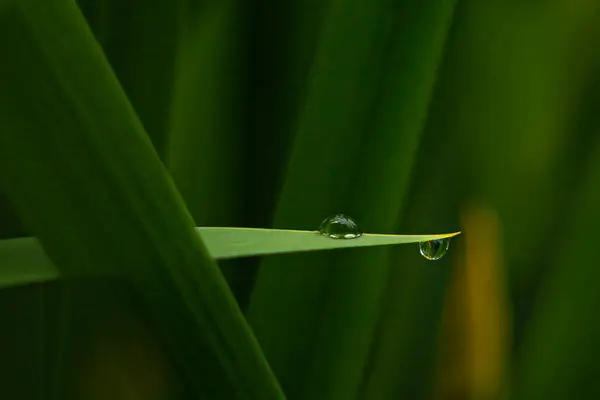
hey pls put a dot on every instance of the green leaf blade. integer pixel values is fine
(82, 173)
(23, 260)
(245, 242)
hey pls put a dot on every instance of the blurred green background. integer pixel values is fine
(412, 116)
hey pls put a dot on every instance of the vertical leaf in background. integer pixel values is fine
(206, 115)
(580, 77)
(207, 118)
(514, 103)
(140, 40)
(281, 42)
(78, 166)
(402, 348)
(559, 355)
(408, 58)
(286, 304)
(281, 46)
(512, 68)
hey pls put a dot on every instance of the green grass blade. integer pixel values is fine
(402, 347)
(409, 67)
(210, 71)
(531, 76)
(283, 51)
(83, 175)
(322, 164)
(365, 105)
(564, 329)
(23, 260)
(243, 242)
(204, 100)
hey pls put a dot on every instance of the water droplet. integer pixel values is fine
(434, 249)
(339, 226)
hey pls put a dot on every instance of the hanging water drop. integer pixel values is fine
(339, 226)
(434, 249)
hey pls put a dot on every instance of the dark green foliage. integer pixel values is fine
(125, 123)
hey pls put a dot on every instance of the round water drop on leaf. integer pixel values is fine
(339, 226)
(434, 249)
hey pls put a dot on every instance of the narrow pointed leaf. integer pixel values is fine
(240, 242)
(23, 260)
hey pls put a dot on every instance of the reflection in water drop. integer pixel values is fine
(434, 249)
(339, 226)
